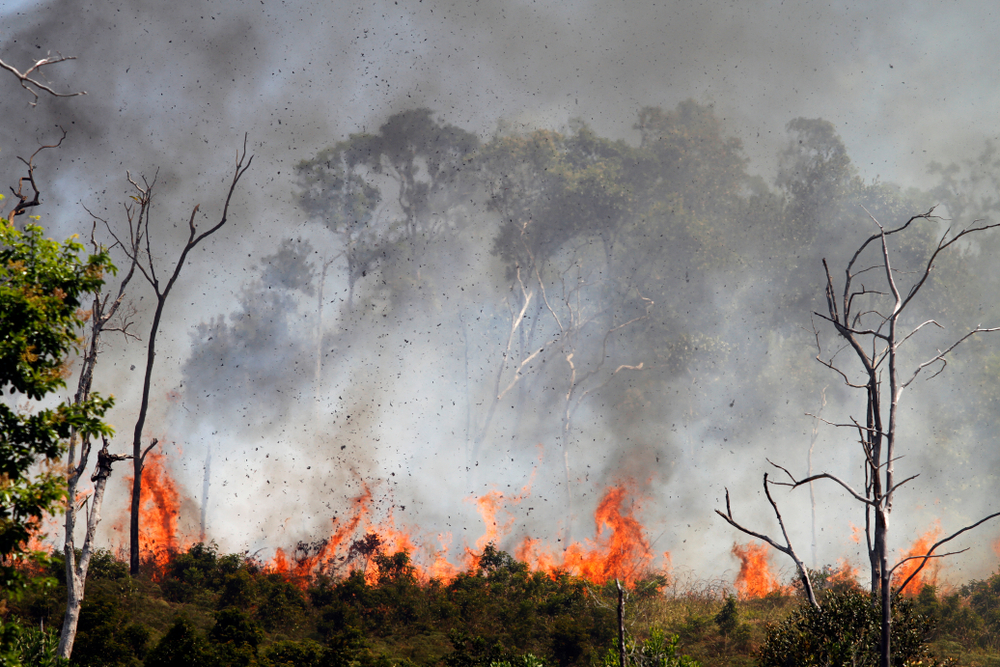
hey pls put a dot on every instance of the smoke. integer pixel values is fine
(172, 88)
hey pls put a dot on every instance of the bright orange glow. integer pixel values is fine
(856, 533)
(755, 578)
(159, 505)
(845, 575)
(927, 575)
(619, 551)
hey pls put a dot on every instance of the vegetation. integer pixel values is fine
(600, 270)
(210, 609)
(42, 285)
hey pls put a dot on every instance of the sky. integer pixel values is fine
(172, 88)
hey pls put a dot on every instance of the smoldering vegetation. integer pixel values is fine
(557, 309)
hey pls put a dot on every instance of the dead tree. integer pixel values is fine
(105, 307)
(867, 319)
(143, 258)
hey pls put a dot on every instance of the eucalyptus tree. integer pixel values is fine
(388, 197)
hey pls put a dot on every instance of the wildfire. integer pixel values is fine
(619, 550)
(846, 575)
(927, 575)
(755, 578)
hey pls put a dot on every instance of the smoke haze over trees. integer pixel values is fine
(484, 241)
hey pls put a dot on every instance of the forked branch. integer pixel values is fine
(785, 549)
(930, 552)
(29, 77)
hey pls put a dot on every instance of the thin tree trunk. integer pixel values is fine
(621, 623)
(76, 582)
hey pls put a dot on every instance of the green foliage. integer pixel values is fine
(42, 284)
(235, 637)
(526, 660)
(182, 646)
(295, 654)
(728, 618)
(106, 634)
(845, 631)
(104, 565)
(28, 646)
(657, 650)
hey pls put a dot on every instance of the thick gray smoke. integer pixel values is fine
(404, 386)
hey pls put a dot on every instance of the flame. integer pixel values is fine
(160, 508)
(755, 578)
(927, 575)
(845, 575)
(856, 533)
(622, 552)
(620, 549)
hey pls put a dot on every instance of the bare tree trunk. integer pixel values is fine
(812, 485)
(75, 583)
(102, 311)
(621, 623)
(139, 228)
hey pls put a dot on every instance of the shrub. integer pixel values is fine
(182, 646)
(104, 565)
(845, 631)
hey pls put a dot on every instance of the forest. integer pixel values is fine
(511, 333)
(551, 324)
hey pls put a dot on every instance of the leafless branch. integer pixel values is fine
(22, 199)
(27, 81)
(795, 483)
(930, 551)
(142, 457)
(785, 549)
(918, 328)
(940, 356)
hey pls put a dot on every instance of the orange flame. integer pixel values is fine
(845, 575)
(755, 578)
(622, 553)
(160, 508)
(927, 575)
(619, 550)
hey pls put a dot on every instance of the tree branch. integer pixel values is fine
(26, 79)
(930, 551)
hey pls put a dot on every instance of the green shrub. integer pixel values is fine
(28, 646)
(182, 646)
(845, 631)
(104, 565)
(657, 650)
(294, 654)
(105, 635)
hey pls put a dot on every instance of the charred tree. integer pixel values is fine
(868, 322)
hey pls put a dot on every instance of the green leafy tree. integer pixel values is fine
(42, 284)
